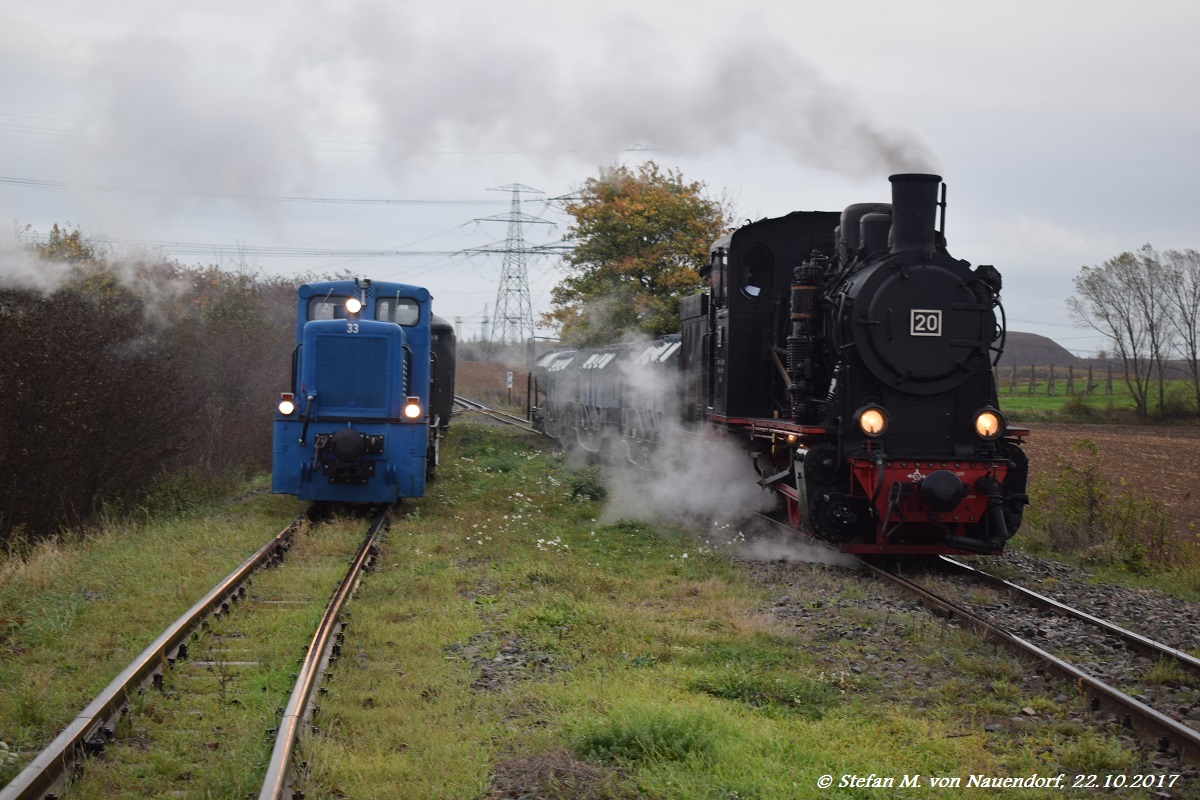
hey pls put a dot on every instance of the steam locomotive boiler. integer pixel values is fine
(855, 355)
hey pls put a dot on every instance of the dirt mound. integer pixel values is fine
(1024, 349)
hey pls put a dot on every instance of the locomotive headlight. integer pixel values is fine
(354, 305)
(873, 421)
(412, 408)
(988, 424)
(287, 406)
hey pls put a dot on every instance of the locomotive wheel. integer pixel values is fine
(841, 518)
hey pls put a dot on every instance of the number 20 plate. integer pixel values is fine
(926, 322)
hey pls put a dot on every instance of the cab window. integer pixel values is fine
(400, 310)
(758, 267)
(327, 307)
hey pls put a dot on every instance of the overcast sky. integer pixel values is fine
(1067, 132)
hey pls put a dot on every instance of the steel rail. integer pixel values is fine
(1137, 715)
(320, 652)
(1142, 644)
(475, 405)
(46, 776)
(499, 416)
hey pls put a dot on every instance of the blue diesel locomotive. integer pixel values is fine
(371, 394)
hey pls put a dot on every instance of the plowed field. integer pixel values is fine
(1159, 461)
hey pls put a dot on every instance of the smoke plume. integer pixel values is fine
(706, 484)
(249, 112)
(483, 89)
(157, 282)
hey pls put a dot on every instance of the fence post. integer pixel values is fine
(1108, 386)
(1032, 377)
(1012, 389)
(1070, 380)
(1088, 391)
(1050, 383)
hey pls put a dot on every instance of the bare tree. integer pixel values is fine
(1183, 274)
(1154, 299)
(1127, 301)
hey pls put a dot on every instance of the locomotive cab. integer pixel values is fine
(361, 421)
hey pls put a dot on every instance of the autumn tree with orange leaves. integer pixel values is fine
(639, 240)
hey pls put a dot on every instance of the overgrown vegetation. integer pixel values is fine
(510, 644)
(1078, 512)
(131, 383)
(513, 645)
(75, 611)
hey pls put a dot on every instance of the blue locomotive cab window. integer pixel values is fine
(327, 307)
(400, 310)
(757, 269)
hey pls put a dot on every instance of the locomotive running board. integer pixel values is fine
(758, 426)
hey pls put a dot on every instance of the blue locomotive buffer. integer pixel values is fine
(356, 427)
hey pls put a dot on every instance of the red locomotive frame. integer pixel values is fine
(891, 506)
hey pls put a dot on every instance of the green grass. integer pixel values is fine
(508, 641)
(1096, 407)
(511, 640)
(73, 613)
(205, 734)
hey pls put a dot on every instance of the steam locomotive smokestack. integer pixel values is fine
(914, 212)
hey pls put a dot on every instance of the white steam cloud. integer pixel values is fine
(21, 268)
(145, 273)
(167, 116)
(706, 484)
(478, 87)
(169, 112)
(693, 477)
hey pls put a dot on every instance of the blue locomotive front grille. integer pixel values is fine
(350, 376)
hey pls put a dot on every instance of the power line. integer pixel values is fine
(266, 251)
(43, 184)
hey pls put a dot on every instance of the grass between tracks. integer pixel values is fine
(510, 645)
(75, 612)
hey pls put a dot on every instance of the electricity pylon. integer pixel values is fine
(512, 321)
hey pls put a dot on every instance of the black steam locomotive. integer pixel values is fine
(853, 356)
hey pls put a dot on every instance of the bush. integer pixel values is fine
(588, 486)
(1075, 510)
(1076, 407)
(649, 735)
(125, 373)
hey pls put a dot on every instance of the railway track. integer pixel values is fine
(469, 405)
(1085, 656)
(1093, 653)
(166, 668)
(324, 647)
